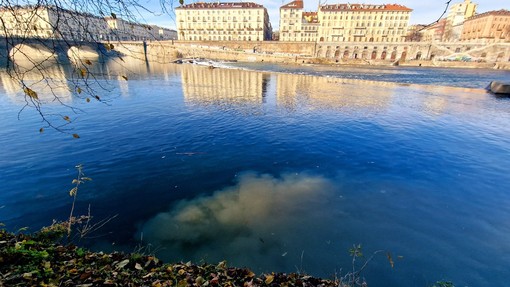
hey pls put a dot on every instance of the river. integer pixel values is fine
(274, 167)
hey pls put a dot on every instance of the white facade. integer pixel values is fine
(236, 21)
(344, 23)
(51, 23)
(297, 25)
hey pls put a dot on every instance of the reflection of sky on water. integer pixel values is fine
(267, 168)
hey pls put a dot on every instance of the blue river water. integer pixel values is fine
(277, 170)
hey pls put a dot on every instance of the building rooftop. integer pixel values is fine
(364, 7)
(298, 4)
(501, 12)
(218, 5)
(310, 17)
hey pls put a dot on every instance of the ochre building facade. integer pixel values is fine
(489, 27)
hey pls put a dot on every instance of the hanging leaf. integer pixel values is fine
(114, 16)
(83, 72)
(112, 47)
(75, 181)
(86, 178)
(125, 78)
(78, 90)
(76, 136)
(31, 93)
(41, 130)
(88, 62)
(88, 100)
(73, 191)
(97, 98)
(66, 118)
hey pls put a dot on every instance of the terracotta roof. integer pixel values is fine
(364, 7)
(310, 17)
(298, 4)
(218, 5)
(501, 12)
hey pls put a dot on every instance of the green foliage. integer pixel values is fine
(54, 232)
(354, 277)
(80, 179)
(356, 251)
(80, 252)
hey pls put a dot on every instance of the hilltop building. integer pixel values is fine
(344, 23)
(457, 14)
(234, 21)
(488, 27)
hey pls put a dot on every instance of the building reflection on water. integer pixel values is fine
(331, 93)
(202, 85)
(55, 83)
(49, 81)
(231, 88)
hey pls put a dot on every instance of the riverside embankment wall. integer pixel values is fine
(424, 54)
(358, 53)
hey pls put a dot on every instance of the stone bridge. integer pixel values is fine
(63, 50)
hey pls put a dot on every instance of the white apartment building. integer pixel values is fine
(49, 22)
(345, 23)
(297, 25)
(234, 21)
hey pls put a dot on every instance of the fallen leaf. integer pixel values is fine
(138, 266)
(88, 62)
(123, 263)
(269, 279)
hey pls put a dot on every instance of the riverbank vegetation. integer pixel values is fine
(41, 260)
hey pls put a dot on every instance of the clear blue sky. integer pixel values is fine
(424, 11)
